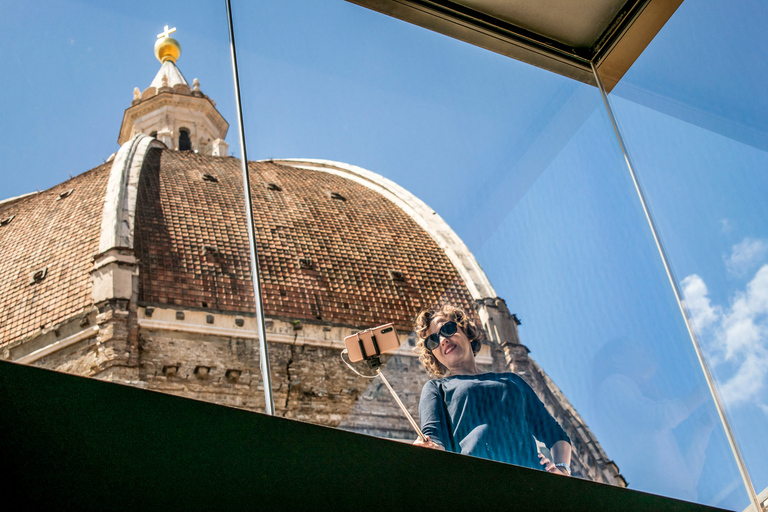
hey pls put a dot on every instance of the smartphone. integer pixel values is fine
(372, 342)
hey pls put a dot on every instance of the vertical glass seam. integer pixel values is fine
(681, 304)
(266, 375)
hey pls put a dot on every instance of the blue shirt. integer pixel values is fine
(493, 415)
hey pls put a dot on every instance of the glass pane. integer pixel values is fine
(689, 109)
(523, 167)
(432, 171)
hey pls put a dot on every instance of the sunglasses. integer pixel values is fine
(447, 330)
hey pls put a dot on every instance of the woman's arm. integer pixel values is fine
(561, 454)
(431, 416)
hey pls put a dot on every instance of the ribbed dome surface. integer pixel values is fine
(55, 231)
(330, 249)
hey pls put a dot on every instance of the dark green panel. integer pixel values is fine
(76, 443)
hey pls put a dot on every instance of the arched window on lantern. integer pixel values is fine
(185, 143)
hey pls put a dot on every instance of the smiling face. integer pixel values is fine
(454, 352)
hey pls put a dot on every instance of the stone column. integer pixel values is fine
(501, 327)
(115, 289)
(166, 137)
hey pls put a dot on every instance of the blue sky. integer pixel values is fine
(520, 162)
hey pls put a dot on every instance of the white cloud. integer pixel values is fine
(748, 381)
(745, 325)
(746, 255)
(699, 306)
(726, 226)
(736, 337)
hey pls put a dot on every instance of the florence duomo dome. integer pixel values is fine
(145, 277)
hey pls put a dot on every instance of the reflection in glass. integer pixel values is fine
(523, 166)
(476, 160)
(627, 398)
(700, 153)
(593, 220)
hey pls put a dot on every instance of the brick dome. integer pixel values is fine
(331, 250)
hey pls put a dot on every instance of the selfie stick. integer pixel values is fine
(374, 363)
(407, 414)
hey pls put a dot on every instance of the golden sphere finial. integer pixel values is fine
(167, 48)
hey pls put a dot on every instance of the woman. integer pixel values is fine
(490, 415)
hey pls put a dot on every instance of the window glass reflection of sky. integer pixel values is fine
(520, 162)
(599, 316)
(693, 113)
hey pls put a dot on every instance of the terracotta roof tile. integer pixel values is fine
(53, 233)
(321, 258)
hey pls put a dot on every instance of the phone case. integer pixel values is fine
(385, 341)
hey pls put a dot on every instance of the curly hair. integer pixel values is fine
(475, 335)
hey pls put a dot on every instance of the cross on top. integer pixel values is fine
(166, 32)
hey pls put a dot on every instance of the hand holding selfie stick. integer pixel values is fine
(374, 363)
